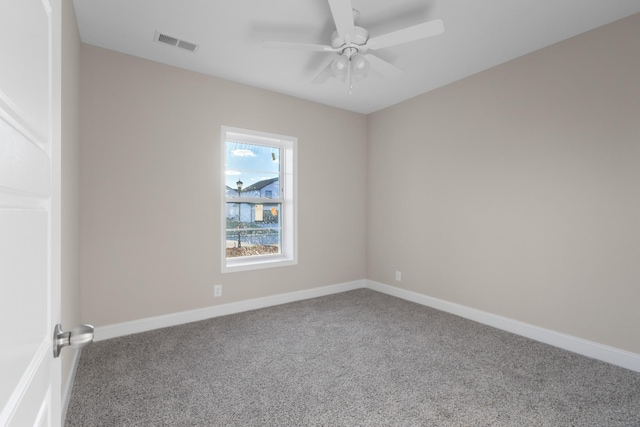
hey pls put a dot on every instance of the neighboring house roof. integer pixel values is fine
(255, 187)
(260, 185)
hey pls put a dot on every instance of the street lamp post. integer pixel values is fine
(239, 184)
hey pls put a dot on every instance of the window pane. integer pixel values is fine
(252, 170)
(253, 229)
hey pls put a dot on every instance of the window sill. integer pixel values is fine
(256, 263)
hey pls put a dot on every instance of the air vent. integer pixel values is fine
(173, 41)
(188, 46)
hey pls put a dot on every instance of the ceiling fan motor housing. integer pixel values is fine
(358, 41)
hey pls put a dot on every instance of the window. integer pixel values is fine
(259, 203)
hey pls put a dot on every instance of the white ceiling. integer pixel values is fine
(478, 35)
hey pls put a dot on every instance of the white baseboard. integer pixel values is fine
(67, 387)
(151, 323)
(581, 346)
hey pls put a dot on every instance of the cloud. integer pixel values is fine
(233, 173)
(240, 152)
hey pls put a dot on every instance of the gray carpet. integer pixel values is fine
(359, 358)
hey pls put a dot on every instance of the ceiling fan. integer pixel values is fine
(352, 44)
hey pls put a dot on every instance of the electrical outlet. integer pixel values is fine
(217, 290)
(398, 276)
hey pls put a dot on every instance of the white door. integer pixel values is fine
(29, 211)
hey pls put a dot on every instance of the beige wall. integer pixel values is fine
(516, 191)
(150, 188)
(70, 310)
(513, 191)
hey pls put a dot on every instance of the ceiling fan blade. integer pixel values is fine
(383, 67)
(416, 32)
(303, 46)
(343, 18)
(323, 76)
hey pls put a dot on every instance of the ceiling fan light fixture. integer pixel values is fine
(339, 69)
(339, 66)
(359, 67)
(359, 62)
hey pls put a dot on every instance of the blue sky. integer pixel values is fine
(250, 163)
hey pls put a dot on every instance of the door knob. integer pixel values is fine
(78, 337)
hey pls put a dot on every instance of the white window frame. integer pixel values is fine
(288, 198)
